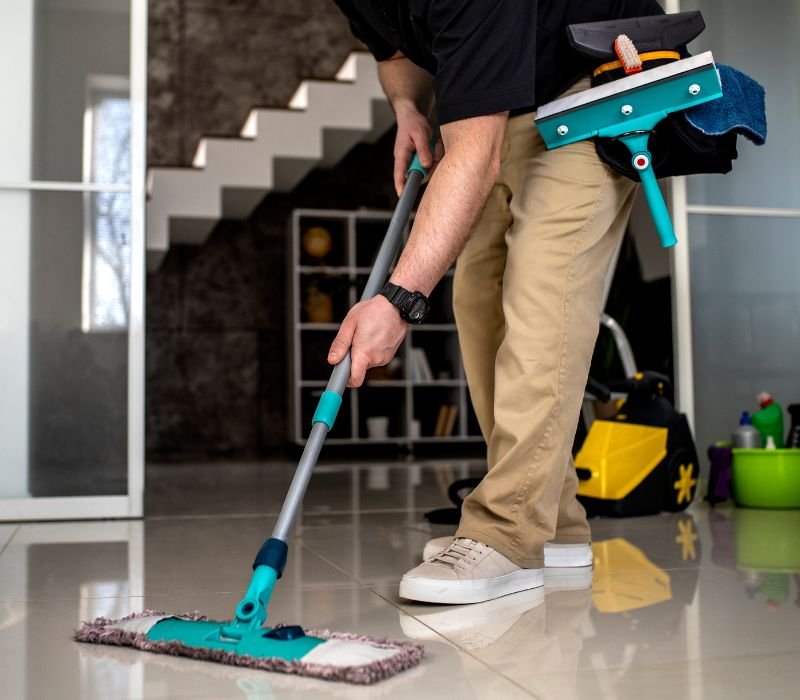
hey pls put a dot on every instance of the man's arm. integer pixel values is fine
(406, 84)
(453, 201)
(409, 90)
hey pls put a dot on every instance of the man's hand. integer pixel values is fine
(409, 90)
(414, 133)
(372, 331)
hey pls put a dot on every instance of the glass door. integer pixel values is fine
(72, 135)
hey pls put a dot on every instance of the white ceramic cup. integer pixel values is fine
(378, 427)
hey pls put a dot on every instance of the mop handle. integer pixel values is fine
(331, 399)
(251, 612)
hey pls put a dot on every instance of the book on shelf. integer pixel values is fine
(419, 369)
(450, 425)
(446, 420)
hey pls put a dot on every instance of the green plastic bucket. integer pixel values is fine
(766, 478)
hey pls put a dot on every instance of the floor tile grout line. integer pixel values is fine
(312, 514)
(695, 660)
(331, 564)
(305, 589)
(436, 632)
(10, 539)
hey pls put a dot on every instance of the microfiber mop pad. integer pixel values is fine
(333, 656)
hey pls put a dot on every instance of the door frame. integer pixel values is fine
(131, 504)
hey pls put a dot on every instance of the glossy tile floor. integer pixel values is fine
(699, 605)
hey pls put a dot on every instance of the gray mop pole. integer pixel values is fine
(331, 398)
(251, 612)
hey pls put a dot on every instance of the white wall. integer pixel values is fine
(16, 80)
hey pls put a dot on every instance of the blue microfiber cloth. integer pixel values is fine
(740, 109)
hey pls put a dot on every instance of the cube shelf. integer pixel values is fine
(422, 394)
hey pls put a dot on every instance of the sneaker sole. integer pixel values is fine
(561, 556)
(464, 592)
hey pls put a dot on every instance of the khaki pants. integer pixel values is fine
(527, 299)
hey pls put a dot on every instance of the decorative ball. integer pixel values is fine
(317, 242)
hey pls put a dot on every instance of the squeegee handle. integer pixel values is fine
(642, 161)
(658, 207)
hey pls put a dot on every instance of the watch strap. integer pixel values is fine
(404, 302)
(395, 294)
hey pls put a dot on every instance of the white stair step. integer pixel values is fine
(235, 162)
(340, 104)
(278, 148)
(285, 131)
(179, 193)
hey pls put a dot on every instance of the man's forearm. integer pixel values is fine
(453, 201)
(407, 86)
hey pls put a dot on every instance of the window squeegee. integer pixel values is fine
(628, 109)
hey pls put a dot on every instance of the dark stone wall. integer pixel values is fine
(217, 383)
(211, 61)
(217, 370)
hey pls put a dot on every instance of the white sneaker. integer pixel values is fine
(467, 571)
(555, 555)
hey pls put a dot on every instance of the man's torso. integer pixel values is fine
(403, 24)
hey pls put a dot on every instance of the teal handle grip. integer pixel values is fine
(658, 207)
(642, 161)
(327, 409)
(416, 165)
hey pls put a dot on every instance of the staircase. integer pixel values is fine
(276, 148)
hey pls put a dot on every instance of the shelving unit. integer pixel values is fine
(334, 281)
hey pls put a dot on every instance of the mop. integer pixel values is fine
(244, 640)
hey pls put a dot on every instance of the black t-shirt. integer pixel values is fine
(486, 56)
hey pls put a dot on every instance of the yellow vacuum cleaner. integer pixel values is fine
(643, 459)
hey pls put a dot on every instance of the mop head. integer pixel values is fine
(333, 656)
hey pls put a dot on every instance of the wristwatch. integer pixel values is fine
(413, 306)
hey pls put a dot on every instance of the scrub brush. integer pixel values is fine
(627, 54)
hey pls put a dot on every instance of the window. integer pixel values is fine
(106, 161)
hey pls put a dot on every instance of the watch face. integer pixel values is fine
(418, 310)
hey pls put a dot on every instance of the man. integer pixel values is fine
(533, 231)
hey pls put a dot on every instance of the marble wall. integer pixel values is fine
(216, 314)
(210, 61)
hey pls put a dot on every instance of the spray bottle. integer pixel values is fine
(769, 420)
(746, 435)
(793, 440)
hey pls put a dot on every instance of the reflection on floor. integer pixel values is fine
(702, 604)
